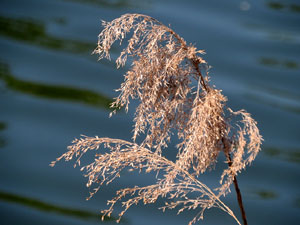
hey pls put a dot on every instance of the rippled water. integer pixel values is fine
(52, 90)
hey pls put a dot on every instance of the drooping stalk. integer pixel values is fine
(162, 75)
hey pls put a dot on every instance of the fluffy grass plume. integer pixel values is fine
(170, 80)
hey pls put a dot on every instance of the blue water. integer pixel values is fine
(52, 90)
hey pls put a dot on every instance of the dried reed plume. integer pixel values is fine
(170, 80)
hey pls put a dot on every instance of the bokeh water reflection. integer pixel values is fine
(52, 89)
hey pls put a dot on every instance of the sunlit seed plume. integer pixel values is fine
(171, 82)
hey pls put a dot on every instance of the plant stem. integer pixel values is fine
(236, 185)
(238, 193)
(195, 63)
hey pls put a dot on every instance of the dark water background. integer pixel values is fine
(52, 90)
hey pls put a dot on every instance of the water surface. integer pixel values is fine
(52, 89)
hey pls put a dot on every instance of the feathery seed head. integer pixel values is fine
(167, 77)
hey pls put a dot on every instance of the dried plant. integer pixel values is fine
(170, 80)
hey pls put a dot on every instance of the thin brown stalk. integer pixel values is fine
(235, 182)
(238, 193)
